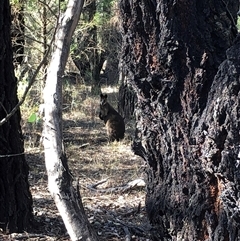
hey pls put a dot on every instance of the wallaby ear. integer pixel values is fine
(102, 96)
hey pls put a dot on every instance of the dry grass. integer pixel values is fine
(91, 159)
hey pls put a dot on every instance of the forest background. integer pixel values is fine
(93, 67)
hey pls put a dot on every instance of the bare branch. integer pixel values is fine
(32, 80)
(49, 8)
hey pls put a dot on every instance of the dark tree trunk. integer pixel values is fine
(127, 97)
(187, 113)
(15, 197)
(126, 102)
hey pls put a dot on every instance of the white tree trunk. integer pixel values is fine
(59, 178)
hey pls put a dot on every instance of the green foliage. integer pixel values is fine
(33, 118)
(33, 114)
(14, 2)
(103, 12)
(238, 23)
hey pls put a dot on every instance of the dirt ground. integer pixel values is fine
(114, 214)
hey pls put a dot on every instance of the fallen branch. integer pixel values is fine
(84, 145)
(21, 236)
(139, 230)
(128, 234)
(127, 187)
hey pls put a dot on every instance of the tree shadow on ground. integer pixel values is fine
(113, 215)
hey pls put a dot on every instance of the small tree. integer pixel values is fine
(67, 200)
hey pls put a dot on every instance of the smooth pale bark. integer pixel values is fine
(59, 179)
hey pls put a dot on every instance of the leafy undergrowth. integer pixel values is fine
(114, 215)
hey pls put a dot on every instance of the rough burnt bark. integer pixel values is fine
(187, 113)
(126, 102)
(127, 97)
(15, 197)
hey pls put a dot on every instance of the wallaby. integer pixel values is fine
(112, 119)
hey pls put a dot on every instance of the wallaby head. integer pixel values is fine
(103, 99)
(104, 106)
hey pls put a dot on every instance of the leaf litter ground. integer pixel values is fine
(114, 215)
